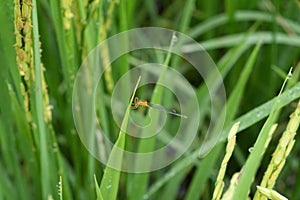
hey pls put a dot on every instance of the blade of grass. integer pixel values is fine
(234, 101)
(186, 15)
(44, 156)
(7, 190)
(230, 8)
(55, 8)
(93, 27)
(7, 51)
(68, 59)
(15, 136)
(172, 189)
(224, 65)
(60, 166)
(185, 19)
(110, 180)
(25, 144)
(246, 121)
(235, 39)
(139, 182)
(98, 192)
(257, 153)
(202, 174)
(151, 8)
(264, 110)
(235, 98)
(296, 193)
(125, 19)
(60, 188)
(241, 15)
(105, 54)
(11, 159)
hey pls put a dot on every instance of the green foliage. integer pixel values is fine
(43, 44)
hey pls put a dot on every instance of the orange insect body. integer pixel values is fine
(143, 103)
(138, 103)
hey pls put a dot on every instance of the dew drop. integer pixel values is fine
(174, 37)
(290, 75)
(250, 149)
(58, 184)
(259, 113)
(108, 187)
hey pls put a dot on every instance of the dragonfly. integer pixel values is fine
(137, 102)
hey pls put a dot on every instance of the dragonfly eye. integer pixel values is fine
(134, 104)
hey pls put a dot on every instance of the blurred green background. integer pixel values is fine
(39, 142)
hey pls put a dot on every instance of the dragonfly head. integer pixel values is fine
(134, 104)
